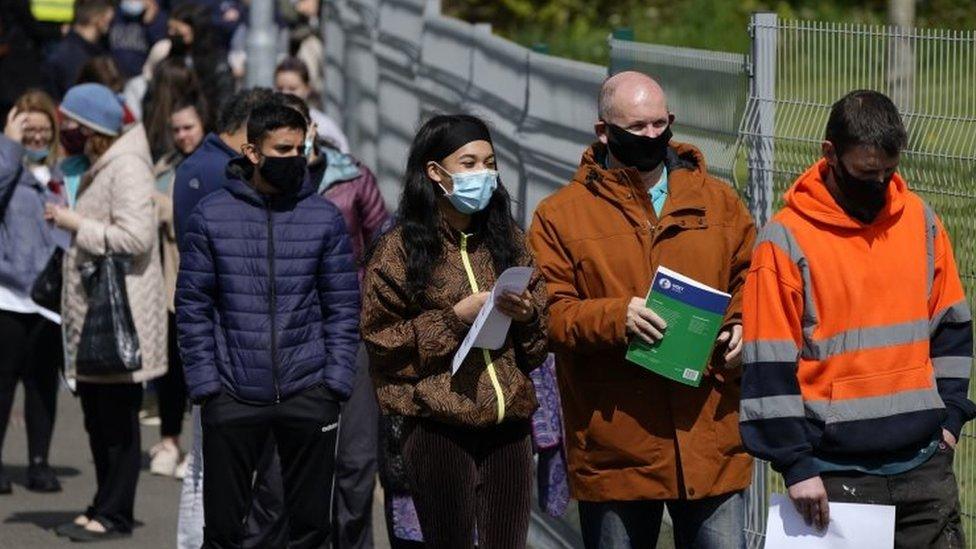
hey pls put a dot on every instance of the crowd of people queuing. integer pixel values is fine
(252, 274)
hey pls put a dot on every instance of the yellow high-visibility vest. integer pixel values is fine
(53, 11)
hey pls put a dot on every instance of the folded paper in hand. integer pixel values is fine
(490, 327)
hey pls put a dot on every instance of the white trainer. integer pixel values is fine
(164, 459)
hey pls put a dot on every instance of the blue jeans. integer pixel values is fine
(710, 523)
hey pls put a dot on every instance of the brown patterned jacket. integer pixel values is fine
(412, 339)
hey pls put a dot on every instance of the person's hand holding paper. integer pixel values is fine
(810, 499)
(518, 307)
(468, 308)
(491, 313)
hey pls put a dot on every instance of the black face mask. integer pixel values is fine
(862, 199)
(285, 173)
(178, 47)
(638, 151)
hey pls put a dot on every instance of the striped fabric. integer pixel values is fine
(858, 339)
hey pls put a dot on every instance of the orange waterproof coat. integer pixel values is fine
(631, 434)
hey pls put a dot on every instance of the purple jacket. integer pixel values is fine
(351, 186)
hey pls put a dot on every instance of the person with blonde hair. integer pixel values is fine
(29, 333)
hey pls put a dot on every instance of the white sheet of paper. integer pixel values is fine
(490, 327)
(852, 526)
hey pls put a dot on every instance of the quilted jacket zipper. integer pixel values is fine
(273, 306)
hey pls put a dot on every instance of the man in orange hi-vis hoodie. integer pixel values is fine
(858, 337)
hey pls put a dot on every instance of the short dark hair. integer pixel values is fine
(234, 113)
(87, 10)
(866, 117)
(196, 103)
(294, 64)
(271, 116)
(295, 102)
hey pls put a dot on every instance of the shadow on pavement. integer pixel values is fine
(47, 520)
(42, 519)
(18, 473)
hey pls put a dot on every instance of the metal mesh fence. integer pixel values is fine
(801, 68)
(707, 92)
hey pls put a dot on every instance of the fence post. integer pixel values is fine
(261, 44)
(901, 57)
(764, 28)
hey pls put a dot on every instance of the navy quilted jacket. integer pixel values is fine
(267, 298)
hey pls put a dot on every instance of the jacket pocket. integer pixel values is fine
(619, 432)
(885, 411)
(881, 395)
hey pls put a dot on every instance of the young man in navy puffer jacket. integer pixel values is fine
(267, 311)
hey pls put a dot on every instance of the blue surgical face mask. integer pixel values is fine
(36, 155)
(472, 190)
(132, 8)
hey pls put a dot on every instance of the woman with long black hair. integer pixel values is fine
(467, 448)
(195, 41)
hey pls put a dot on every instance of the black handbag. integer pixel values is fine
(394, 429)
(46, 290)
(109, 343)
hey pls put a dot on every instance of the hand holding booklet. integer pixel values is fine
(694, 313)
(490, 328)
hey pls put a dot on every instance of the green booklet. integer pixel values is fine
(694, 313)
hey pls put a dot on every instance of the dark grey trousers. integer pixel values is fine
(926, 500)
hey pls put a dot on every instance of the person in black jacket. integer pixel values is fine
(267, 305)
(84, 41)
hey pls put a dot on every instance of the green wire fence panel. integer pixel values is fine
(798, 69)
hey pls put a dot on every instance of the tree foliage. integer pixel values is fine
(579, 28)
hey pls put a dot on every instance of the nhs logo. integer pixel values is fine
(668, 286)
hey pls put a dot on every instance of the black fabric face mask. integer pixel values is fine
(179, 47)
(285, 173)
(862, 199)
(637, 151)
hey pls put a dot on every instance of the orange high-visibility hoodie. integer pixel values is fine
(858, 338)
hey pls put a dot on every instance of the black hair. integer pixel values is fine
(866, 117)
(419, 216)
(198, 17)
(271, 116)
(234, 114)
(296, 65)
(196, 103)
(87, 10)
(295, 102)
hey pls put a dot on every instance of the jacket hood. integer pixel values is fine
(618, 184)
(239, 173)
(810, 198)
(213, 142)
(133, 143)
(680, 156)
(338, 167)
